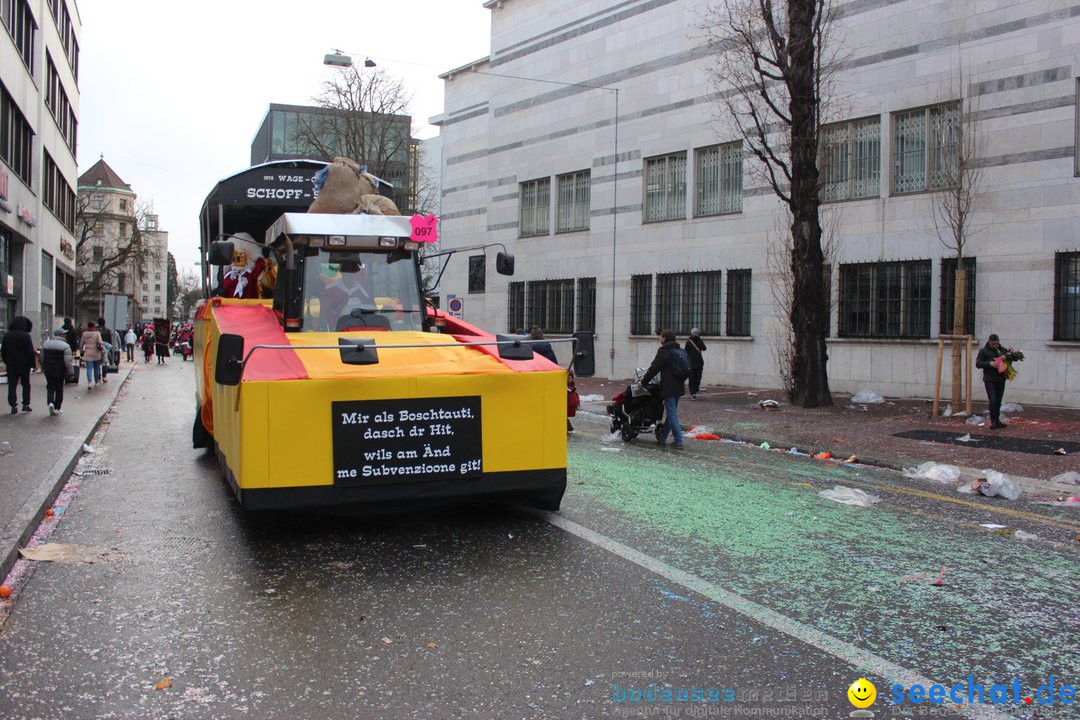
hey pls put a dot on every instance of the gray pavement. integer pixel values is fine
(41, 452)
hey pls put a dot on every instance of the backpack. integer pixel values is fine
(679, 362)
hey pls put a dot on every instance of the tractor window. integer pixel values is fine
(346, 291)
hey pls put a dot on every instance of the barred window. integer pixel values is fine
(1067, 296)
(16, 137)
(926, 146)
(719, 179)
(20, 25)
(99, 253)
(585, 302)
(535, 207)
(885, 299)
(851, 159)
(948, 295)
(665, 188)
(515, 306)
(738, 303)
(550, 304)
(573, 209)
(477, 276)
(689, 300)
(641, 305)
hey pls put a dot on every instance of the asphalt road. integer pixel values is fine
(718, 569)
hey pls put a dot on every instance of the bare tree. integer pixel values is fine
(189, 293)
(105, 258)
(363, 116)
(952, 210)
(771, 73)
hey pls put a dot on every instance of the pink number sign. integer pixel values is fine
(424, 228)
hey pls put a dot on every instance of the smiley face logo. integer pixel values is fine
(862, 693)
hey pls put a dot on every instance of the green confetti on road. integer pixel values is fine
(1006, 608)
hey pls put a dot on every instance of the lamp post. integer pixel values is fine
(614, 186)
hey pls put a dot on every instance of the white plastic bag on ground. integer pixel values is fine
(1012, 408)
(937, 472)
(975, 420)
(866, 396)
(1021, 535)
(1069, 478)
(849, 496)
(999, 484)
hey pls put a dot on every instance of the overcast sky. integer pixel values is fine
(171, 93)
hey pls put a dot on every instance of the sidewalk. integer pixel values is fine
(43, 450)
(1024, 450)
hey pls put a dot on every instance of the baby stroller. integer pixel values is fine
(636, 410)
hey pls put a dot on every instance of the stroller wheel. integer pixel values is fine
(628, 433)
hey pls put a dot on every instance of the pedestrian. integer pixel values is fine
(17, 352)
(993, 378)
(147, 342)
(671, 389)
(542, 348)
(107, 337)
(71, 334)
(57, 363)
(695, 346)
(161, 349)
(92, 348)
(129, 343)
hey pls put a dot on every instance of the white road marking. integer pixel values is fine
(840, 649)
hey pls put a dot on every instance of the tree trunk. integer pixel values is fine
(809, 311)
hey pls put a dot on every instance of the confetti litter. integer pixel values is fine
(165, 682)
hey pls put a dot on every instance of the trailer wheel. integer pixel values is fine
(200, 436)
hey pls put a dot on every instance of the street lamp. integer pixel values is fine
(614, 186)
(340, 59)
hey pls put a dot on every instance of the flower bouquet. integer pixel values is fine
(1004, 363)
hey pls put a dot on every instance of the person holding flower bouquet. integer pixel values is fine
(996, 368)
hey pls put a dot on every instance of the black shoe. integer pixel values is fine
(14, 411)
(26, 408)
(569, 427)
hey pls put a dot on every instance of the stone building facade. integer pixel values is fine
(591, 145)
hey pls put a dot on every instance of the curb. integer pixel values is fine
(1028, 486)
(28, 517)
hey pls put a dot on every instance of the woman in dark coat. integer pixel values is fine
(147, 343)
(17, 352)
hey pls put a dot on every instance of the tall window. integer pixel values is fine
(585, 304)
(57, 195)
(535, 206)
(641, 305)
(515, 306)
(665, 188)
(719, 179)
(738, 303)
(550, 304)
(1067, 296)
(64, 297)
(573, 209)
(948, 295)
(477, 274)
(688, 300)
(885, 299)
(926, 145)
(16, 137)
(67, 33)
(99, 254)
(851, 159)
(20, 25)
(56, 99)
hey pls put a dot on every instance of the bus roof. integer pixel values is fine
(252, 199)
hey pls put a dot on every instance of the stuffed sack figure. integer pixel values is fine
(241, 280)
